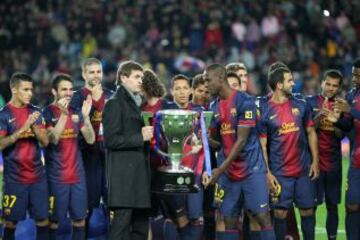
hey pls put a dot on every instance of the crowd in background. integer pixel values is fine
(42, 37)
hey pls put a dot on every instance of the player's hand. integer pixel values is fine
(272, 182)
(342, 105)
(205, 179)
(32, 119)
(63, 104)
(147, 133)
(331, 116)
(216, 172)
(86, 107)
(314, 171)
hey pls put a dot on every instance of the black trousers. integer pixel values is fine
(130, 224)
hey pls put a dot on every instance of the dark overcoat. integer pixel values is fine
(127, 165)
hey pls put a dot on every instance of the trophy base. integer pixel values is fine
(175, 182)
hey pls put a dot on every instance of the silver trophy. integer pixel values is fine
(177, 127)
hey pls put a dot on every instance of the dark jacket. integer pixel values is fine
(127, 165)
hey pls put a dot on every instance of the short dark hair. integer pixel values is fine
(234, 75)
(277, 76)
(18, 77)
(277, 64)
(197, 81)
(152, 85)
(235, 66)
(125, 69)
(218, 69)
(334, 73)
(179, 77)
(356, 63)
(59, 78)
(88, 62)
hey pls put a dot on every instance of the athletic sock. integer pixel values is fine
(308, 227)
(280, 227)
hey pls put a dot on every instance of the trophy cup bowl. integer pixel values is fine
(177, 126)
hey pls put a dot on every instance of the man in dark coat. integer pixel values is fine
(127, 166)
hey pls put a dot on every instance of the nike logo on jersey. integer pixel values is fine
(273, 116)
(54, 119)
(263, 205)
(12, 120)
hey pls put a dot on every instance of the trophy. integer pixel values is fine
(146, 117)
(177, 127)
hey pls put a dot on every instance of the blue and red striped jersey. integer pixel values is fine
(22, 160)
(284, 126)
(239, 110)
(352, 121)
(63, 160)
(329, 143)
(96, 109)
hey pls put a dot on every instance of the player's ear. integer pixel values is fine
(15, 88)
(53, 92)
(83, 74)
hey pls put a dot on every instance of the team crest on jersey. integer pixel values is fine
(75, 118)
(295, 111)
(97, 116)
(233, 112)
(248, 115)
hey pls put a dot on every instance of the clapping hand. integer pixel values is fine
(342, 105)
(86, 107)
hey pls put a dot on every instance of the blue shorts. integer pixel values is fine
(353, 186)
(66, 198)
(298, 190)
(19, 198)
(172, 206)
(251, 192)
(195, 201)
(328, 187)
(94, 166)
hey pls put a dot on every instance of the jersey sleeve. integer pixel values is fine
(215, 121)
(77, 101)
(246, 113)
(355, 111)
(40, 122)
(311, 101)
(48, 117)
(3, 124)
(308, 117)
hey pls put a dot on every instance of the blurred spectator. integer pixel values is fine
(44, 37)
